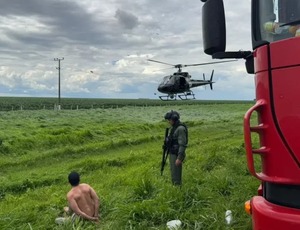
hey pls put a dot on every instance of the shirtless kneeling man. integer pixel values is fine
(82, 200)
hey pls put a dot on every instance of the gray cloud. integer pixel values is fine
(126, 19)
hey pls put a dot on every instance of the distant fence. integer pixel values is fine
(62, 107)
(35, 103)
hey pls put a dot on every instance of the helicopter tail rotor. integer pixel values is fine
(212, 74)
(211, 78)
(204, 80)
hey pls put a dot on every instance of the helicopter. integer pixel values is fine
(180, 83)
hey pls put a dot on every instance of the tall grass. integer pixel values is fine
(118, 152)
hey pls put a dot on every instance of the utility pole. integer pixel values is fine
(58, 59)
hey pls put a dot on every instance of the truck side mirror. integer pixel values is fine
(250, 64)
(213, 26)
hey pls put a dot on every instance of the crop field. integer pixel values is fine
(50, 103)
(118, 152)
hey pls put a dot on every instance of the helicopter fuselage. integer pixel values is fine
(173, 84)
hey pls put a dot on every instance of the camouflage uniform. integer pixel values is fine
(177, 142)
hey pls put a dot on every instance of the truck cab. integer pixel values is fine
(272, 143)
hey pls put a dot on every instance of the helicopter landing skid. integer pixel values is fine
(168, 97)
(187, 96)
(172, 97)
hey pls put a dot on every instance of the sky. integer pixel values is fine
(104, 47)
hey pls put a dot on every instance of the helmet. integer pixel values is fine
(172, 115)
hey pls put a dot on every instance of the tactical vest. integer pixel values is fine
(173, 142)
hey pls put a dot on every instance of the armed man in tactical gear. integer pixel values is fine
(177, 141)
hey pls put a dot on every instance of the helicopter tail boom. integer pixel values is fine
(196, 83)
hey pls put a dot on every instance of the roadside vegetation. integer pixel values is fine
(118, 152)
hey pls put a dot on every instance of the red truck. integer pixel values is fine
(272, 140)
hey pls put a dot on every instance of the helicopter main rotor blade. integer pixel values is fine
(208, 63)
(160, 62)
(163, 69)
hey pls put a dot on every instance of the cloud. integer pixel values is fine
(126, 19)
(113, 39)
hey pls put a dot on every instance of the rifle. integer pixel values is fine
(165, 148)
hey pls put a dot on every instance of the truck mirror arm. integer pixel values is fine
(247, 55)
(232, 54)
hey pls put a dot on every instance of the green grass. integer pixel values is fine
(118, 152)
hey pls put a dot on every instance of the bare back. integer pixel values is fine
(83, 200)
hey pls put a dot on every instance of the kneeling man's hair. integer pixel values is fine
(74, 178)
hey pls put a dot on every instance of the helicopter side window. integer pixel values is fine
(182, 82)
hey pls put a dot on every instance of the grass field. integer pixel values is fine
(118, 152)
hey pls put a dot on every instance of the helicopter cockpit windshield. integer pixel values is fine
(279, 19)
(167, 80)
